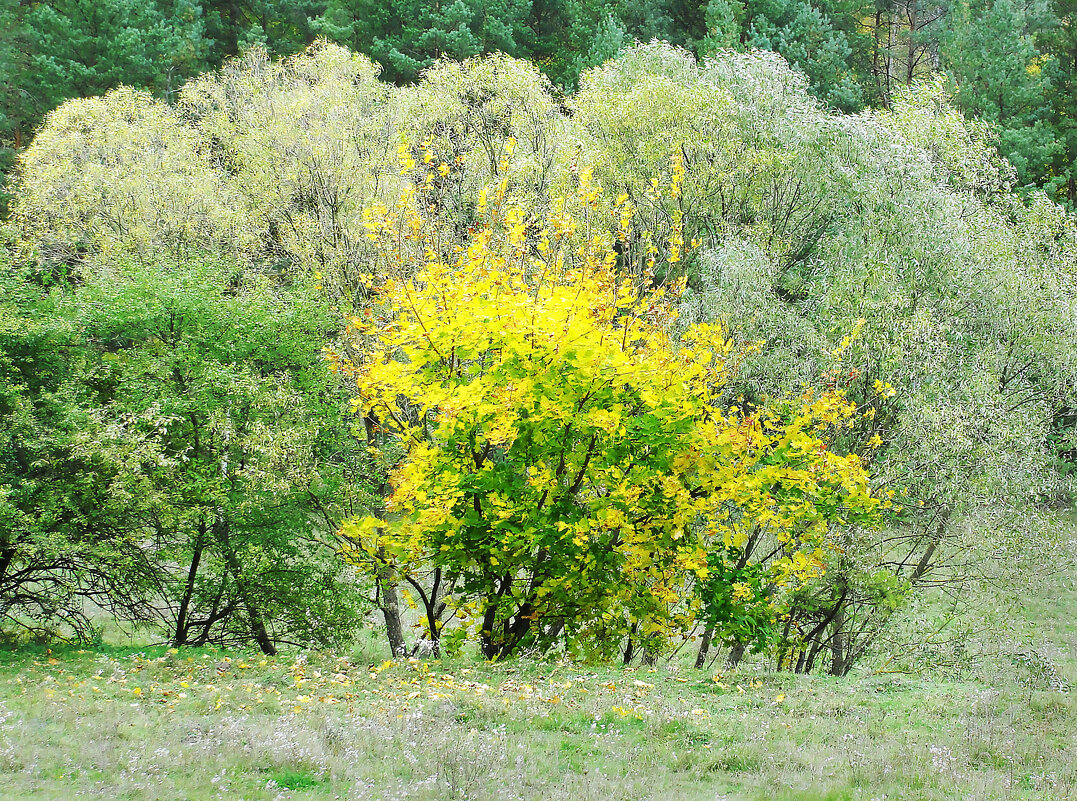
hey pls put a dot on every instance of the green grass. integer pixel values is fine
(152, 723)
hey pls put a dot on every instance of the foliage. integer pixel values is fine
(81, 48)
(460, 115)
(992, 53)
(1011, 64)
(810, 221)
(300, 142)
(281, 26)
(121, 174)
(818, 39)
(789, 222)
(406, 38)
(215, 425)
(177, 456)
(568, 466)
(57, 547)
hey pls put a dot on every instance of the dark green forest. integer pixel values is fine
(1013, 65)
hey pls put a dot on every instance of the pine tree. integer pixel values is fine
(990, 49)
(407, 37)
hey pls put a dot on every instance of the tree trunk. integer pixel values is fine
(222, 532)
(736, 653)
(489, 642)
(254, 614)
(515, 633)
(914, 16)
(188, 590)
(837, 645)
(704, 646)
(630, 646)
(7, 556)
(876, 63)
(389, 603)
(433, 614)
(257, 622)
(261, 634)
(492, 647)
(215, 613)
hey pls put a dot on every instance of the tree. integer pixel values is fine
(992, 52)
(217, 431)
(282, 27)
(80, 48)
(1060, 40)
(303, 143)
(568, 468)
(813, 41)
(14, 127)
(809, 221)
(122, 174)
(407, 38)
(60, 552)
(175, 451)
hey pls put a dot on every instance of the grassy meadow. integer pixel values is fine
(126, 722)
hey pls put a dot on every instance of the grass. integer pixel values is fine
(155, 723)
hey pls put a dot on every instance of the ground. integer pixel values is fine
(156, 723)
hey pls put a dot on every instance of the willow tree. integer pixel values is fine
(905, 218)
(122, 174)
(306, 143)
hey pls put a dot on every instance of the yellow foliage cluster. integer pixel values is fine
(567, 456)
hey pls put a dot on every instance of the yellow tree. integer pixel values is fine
(568, 467)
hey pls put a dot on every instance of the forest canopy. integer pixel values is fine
(1010, 65)
(686, 353)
